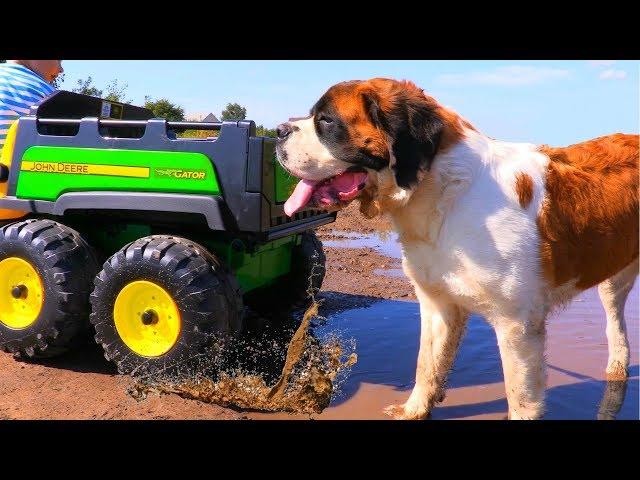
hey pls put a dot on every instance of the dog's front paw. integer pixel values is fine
(406, 412)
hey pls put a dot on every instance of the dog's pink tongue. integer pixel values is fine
(345, 186)
(300, 197)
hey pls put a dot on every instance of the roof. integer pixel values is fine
(210, 118)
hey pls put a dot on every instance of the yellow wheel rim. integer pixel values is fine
(21, 293)
(146, 318)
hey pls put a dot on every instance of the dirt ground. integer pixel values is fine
(351, 220)
(353, 271)
(83, 385)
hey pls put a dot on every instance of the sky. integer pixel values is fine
(552, 102)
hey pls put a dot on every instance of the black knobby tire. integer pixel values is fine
(299, 286)
(205, 293)
(66, 265)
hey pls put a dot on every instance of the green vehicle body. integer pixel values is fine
(139, 171)
(256, 268)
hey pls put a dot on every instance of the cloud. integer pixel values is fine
(609, 73)
(512, 75)
(612, 74)
(600, 63)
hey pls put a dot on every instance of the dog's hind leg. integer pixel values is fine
(522, 344)
(613, 294)
(441, 328)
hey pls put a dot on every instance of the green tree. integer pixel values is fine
(163, 108)
(234, 111)
(116, 93)
(266, 132)
(85, 87)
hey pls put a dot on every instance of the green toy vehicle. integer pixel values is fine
(106, 217)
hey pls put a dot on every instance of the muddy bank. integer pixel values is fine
(363, 271)
(363, 257)
(82, 385)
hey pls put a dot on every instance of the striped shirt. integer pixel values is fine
(20, 88)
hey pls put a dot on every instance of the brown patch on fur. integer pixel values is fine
(589, 221)
(468, 125)
(453, 129)
(524, 189)
(618, 373)
(362, 133)
(392, 92)
(347, 98)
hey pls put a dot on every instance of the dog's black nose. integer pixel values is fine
(283, 130)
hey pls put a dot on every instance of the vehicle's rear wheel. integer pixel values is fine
(46, 272)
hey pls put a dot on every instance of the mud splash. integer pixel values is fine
(309, 379)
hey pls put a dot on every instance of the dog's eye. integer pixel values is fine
(325, 119)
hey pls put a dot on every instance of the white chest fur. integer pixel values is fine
(464, 233)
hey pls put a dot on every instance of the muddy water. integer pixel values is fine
(308, 376)
(387, 333)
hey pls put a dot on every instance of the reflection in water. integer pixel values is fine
(612, 393)
(612, 400)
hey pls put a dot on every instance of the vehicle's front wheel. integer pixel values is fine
(160, 301)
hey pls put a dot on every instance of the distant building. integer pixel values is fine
(210, 118)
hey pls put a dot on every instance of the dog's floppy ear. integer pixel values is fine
(412, 122)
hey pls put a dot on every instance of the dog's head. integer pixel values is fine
(363, 138)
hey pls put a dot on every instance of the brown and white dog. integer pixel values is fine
(506, 230)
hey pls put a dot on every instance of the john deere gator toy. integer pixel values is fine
(108, 218)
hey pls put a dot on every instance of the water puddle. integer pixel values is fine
(385, 243)
(391, 272)
(387, 335)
